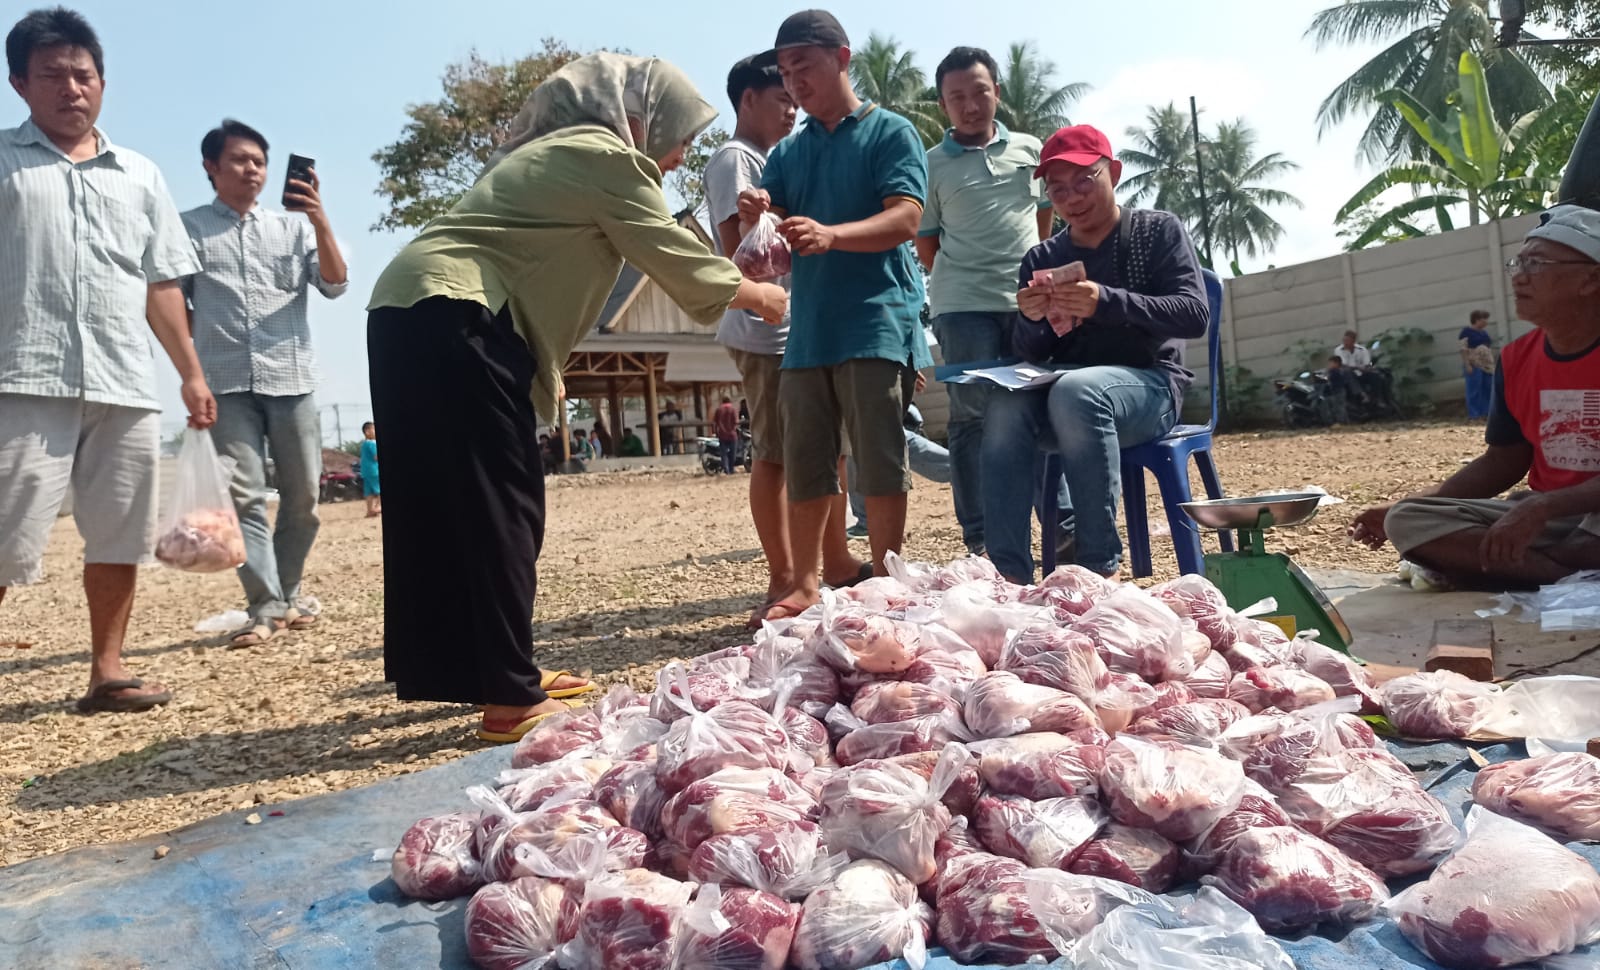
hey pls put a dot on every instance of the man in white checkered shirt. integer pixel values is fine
(91, 247)
(248, 313)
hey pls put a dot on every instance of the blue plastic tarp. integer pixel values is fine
(302, 889)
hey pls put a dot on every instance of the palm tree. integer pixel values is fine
(1234, 192)
(883, 73)
(1028, 102)
(1425, 39)
(1164, 150)
(1474, 161)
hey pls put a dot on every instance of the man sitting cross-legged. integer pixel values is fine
(1544, 423)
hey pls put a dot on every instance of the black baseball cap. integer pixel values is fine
(811, 28)
(759, 71)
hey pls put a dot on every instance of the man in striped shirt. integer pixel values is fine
(91, 247)
(248, 310)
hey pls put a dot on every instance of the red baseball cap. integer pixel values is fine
(1078, 144)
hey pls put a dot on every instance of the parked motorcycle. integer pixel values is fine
(1313, 400)
(711, 452)
(339, 486)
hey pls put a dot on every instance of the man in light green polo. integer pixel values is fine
(984, 211)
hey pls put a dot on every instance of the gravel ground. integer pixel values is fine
(638, 569)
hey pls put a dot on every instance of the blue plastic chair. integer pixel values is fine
(1168, 458)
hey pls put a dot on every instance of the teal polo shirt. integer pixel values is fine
(847, 306)
(983, 204)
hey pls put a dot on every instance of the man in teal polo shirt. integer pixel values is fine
(985, 210)
(851, 184)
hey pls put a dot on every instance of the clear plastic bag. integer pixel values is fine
(734, 800)
(889, 812)
(1205, 932)
(971, 612)
(869, 915)
(1001, 704)
(734, 734)
(1068, 906)
(434, 859)
(1559, 794)
(1048, 833)
(1438, 704)
(1508, 895)
(734, 929)
(200, 532)
(1572, 603)
(788, 859)
(850, 638)
(518, 925)
(984, 914)
(763, 254)
(1040, 765)
(1176, 790)
(627, 922)
(1138, 634)
(1560, 708)
(1290, 880)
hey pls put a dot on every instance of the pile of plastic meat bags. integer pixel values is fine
(1015, 774)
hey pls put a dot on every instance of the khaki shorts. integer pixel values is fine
(1418, 521)
(866, 397)
(759, 372)
(107, 454)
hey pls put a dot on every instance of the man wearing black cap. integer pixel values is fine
(851, 184)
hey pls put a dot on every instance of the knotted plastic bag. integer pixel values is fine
(200, 532)
(763, 254)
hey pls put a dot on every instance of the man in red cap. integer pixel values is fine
(1109, 301)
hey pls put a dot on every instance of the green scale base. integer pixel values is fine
(1252, 574)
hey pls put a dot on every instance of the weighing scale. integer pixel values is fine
(1252, 574)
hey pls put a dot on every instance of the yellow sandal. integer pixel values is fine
(548, 677)
(515, 734)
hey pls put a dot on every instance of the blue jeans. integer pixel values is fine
(1480, 388)
(1088, 416)
(725, 449)
(970, 338)
(247, 426)
(928, 459)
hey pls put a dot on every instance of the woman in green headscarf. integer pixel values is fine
(467, 333)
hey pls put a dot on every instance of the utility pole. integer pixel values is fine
(338, 428)
(1200, 174)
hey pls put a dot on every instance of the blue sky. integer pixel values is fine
(332, 80)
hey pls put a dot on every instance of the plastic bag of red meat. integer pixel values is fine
(1508, 895)
(1438, 704)
(1037, 766)
(861, 741)
(525, 789)
(734, 800)
(1284, 688)
(1345, 676)
(557, 736)
(200, 532)
(1291, 880)
(1048, 833)
(787, 859)
(707, 685)
(1173, 789)
(1068, 906)
(1370, 805)
(734, 734)
(1257, 810)
(887, 701)
(883, 594)
(1134, 856)
(869, 915)
(890, 812)
(924, 576)
(1211, 677)
(950, 665)
(1205, 932)
(1201, 722)
(435, 859)
(1558, 794)
(851, 639)
(1276, 748)
(971, 612)
(1054, 656)
(1070, 591)
(627, 922)
(518, 925)
(985, 916)
(763, 253)
(734, 929)
(516, 844)
(1001, 704)
(629, 792)
(1137, 634)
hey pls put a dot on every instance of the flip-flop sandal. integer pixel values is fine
(252, 634)
(790, 610)
(548, 677)
(515, 734)
(863, 574)
(103, 698)
(297, 619)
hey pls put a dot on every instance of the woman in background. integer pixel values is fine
(1478, 364)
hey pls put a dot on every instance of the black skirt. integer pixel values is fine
(463, 502)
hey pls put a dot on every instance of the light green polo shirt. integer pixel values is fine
(983, 204)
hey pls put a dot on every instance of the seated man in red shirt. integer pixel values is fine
(1544, 423)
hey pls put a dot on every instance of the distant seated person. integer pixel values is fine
(1351, 354)
(1118, 333)
(1545, 391)
(580, 446)
(631, 446)
(1339, 388)
(547, 453)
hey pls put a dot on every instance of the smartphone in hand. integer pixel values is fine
(299, 171)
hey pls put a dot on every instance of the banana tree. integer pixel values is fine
(1473, 162)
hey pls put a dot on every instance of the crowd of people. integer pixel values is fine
(470, 325)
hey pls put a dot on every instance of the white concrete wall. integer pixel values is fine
(1431, 283)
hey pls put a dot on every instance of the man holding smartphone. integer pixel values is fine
(248, 314)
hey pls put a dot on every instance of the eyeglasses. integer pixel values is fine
(1531, 265)
(1082, 185)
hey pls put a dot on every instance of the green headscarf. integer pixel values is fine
(607, 90)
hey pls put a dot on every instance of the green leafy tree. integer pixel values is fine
(1423, 42)
(1163, 150)
(687, 181)
(1474, 162)
(1356, 225)
(446, 142)
(1235, 193)
(1030, 99)
(889, 76)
